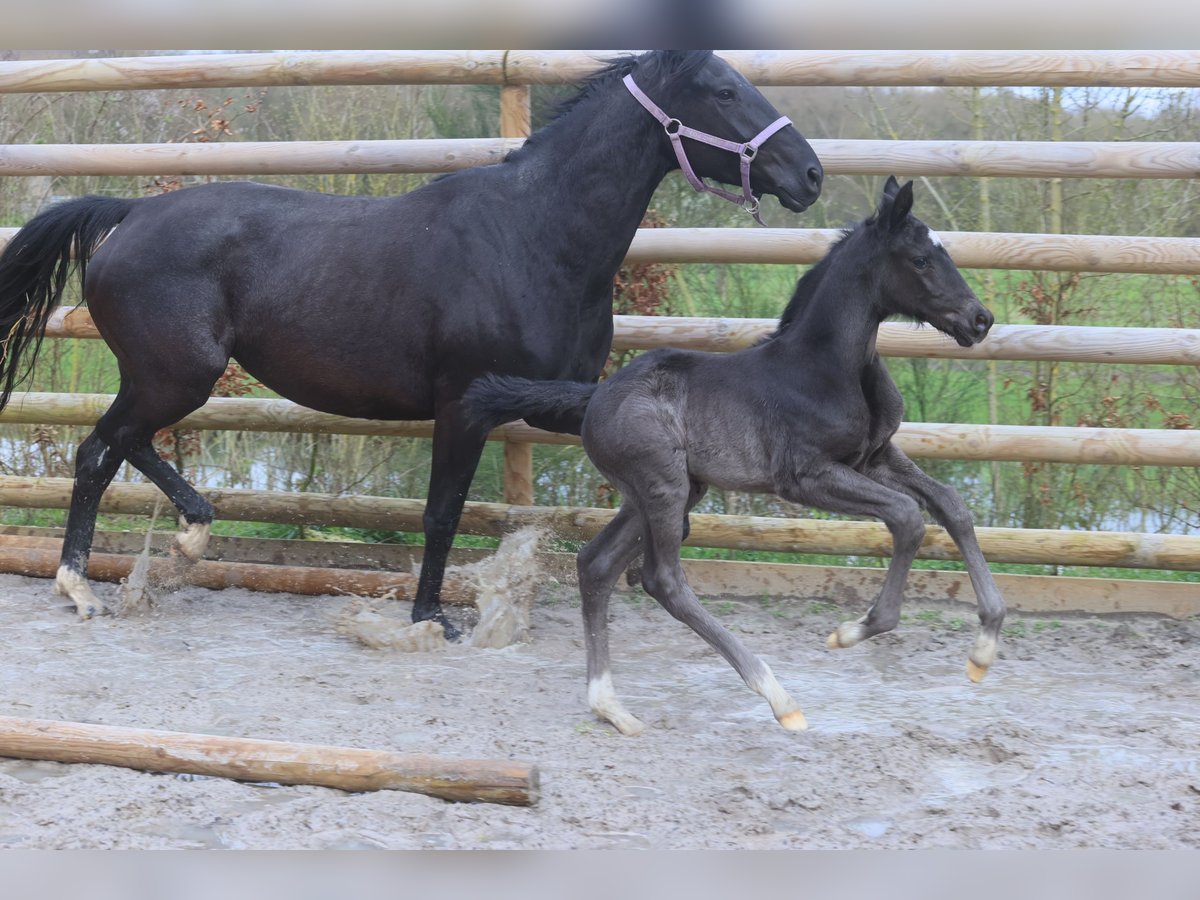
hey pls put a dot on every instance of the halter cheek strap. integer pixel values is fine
(677, 131)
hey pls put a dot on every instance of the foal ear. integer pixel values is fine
(901, 206)
(891, 186)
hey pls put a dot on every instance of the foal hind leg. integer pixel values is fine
(948, 510)
(664, 579)
(600, 564)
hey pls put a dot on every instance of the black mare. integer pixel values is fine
(808, 414)
(382, 308)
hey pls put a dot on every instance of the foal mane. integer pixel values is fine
(655, 69)
(807, 286)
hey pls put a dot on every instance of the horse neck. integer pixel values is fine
(839, 317)
(597, 166)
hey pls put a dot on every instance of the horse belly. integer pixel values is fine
(343, 387)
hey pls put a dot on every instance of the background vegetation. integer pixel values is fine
(1005, 494)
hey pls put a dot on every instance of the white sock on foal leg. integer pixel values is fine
(604, 703)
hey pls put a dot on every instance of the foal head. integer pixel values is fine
(918, 277)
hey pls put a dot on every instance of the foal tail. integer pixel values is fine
(33, 274)
(495, 399)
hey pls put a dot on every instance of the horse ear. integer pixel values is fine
(901, 206)
(891, 186)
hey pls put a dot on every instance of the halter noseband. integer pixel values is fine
(676, 131)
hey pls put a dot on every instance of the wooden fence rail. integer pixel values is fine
(1013, 159)
(1009, 443)
(970, 249)
(1061, 343)
(820, 68)
(1008, 545)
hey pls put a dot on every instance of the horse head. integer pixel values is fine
(698, 97)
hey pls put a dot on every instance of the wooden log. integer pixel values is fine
(1063, 343)
(1022, 593)
(709, 577)
(39, 558)
(927, 440)
(1013, 159)
(518, 473)
(284, 762)
(971, 250)
(279, 69)
(1010, 159)
(1011, 545)
(983, 68)
(254, 157)
(516, 122)
(822, 68)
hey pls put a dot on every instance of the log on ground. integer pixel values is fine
(244, 759)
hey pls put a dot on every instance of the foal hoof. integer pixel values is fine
(847, 635)
(982, 655)
(794, 721)
(975, 671)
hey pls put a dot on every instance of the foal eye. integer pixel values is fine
(725, 94)
(921, 262)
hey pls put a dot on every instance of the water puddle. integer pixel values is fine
(869, 827)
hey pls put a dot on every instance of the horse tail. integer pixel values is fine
(34, 268)
(495, 399)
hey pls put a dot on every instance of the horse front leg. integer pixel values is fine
(457, 447)
(948, 510)
(838, 488)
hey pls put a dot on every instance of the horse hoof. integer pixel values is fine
(832, 641)
(628, 725)
(975, 671)
(75, 587)
(794, 721)
(193, 539)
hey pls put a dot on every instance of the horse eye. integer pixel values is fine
(726, 94)
(921, 262)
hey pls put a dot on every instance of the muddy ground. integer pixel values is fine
(1085, 734)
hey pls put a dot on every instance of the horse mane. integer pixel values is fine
(655, 69)
(807, 286)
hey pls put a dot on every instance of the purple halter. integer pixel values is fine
(676, 131)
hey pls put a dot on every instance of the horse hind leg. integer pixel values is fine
(96, 464)
(129, 427)
(196, 513)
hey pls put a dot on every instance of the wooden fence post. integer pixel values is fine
(518, 457)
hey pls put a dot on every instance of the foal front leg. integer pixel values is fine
(948, 510)
(838, 488)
